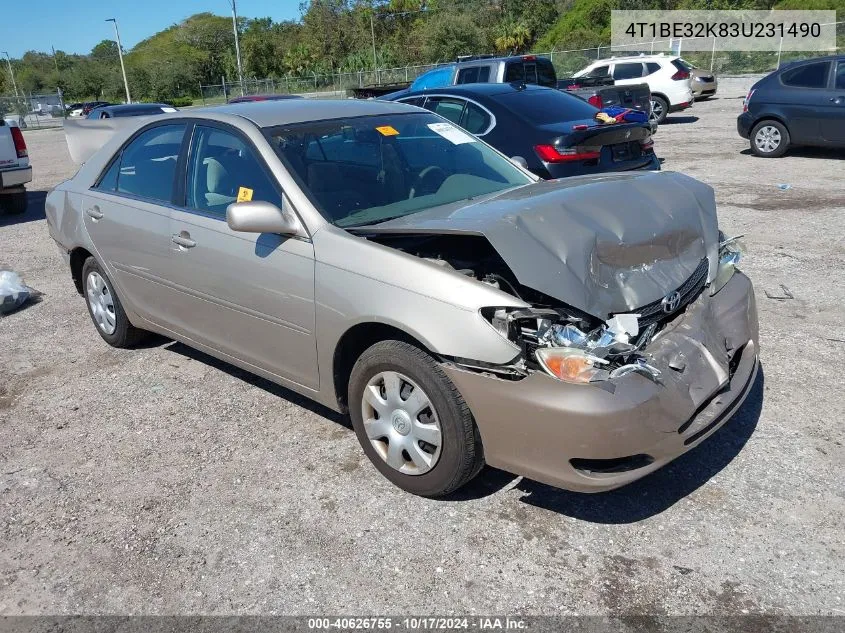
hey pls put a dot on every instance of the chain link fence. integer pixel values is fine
(566, 63)
(34, 110)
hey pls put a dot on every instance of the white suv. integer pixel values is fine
(667, 78)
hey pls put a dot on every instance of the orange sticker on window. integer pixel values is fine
(388, 130)
(244, 194)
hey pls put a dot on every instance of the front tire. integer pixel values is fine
(411, 420)
(105, 308)
(769, 139)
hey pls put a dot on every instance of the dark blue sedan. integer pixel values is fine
(552, 133)
(803, 103)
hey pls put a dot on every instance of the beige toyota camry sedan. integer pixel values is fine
(380, 260)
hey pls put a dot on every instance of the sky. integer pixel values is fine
(76, 27)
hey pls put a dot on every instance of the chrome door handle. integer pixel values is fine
(94, 213)
(183, 241)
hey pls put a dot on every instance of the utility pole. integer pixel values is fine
(55, 61)
(237, 44)
(11, 72)
(373, 35)
(120, 54)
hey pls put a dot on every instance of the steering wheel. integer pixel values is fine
(429, 180)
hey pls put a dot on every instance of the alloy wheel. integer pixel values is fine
(767, 139)
(656, 110)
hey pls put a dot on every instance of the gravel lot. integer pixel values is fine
(160, 480)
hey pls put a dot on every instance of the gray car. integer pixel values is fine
(384, 262)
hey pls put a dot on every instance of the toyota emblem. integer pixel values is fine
(671, 302)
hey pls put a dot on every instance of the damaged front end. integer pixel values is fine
(575, 349)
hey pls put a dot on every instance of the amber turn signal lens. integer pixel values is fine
(568, 364)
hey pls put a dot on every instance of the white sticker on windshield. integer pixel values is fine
(451, 133)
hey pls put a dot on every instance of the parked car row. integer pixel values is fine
(549, 132)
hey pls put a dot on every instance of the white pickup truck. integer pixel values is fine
(15, 170)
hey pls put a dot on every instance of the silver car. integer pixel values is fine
(380, 260)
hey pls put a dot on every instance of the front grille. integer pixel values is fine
(690, 289)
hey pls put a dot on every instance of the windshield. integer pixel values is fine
(366, 170)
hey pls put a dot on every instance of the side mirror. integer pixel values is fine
(262, 217)
(519, 160)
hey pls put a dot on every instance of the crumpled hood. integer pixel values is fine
(602, 244)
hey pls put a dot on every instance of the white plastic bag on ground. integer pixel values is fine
(13, 292)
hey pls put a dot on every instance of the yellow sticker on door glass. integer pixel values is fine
(388, 130)
(244, 194)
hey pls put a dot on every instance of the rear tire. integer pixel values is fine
(105, 308)
(659, 109)
(386, 385)
(14, 203)
(769, 139)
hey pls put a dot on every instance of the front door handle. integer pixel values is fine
(183, 239)
(838, 100)
(94, 213)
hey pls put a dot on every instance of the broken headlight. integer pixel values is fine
(730, 253)
(572, 349)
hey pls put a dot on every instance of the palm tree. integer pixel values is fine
(512, 37)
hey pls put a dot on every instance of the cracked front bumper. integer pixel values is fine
(603, 435)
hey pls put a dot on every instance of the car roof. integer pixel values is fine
(505, 58)
(639, 58)
(267, 97)
(483, 89)
(133, 106)
(280, 112)
(809, 60)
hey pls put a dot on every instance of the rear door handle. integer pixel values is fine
(838, 100)
(94, 213)
(183, 239)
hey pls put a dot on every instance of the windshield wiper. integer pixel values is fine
(370, 223)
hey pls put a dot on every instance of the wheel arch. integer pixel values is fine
(77, 261)
(768, 117)
(353, 342)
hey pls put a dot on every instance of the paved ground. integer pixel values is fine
(162, 481)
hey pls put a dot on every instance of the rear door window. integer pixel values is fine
(473, 74)
(148, 163)
(807, 76)
(628, 70)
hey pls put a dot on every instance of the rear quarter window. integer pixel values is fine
(807, 76)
